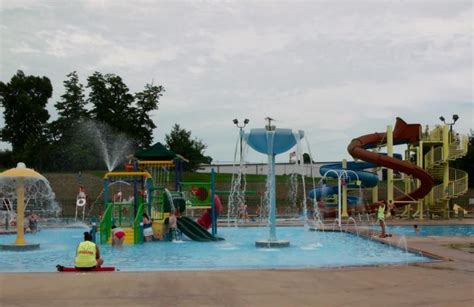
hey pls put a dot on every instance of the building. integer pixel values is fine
(262, 168)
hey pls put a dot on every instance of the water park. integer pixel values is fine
(380, 211)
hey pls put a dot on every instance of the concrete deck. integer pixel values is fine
(448, 281)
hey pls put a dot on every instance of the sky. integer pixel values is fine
(334, 69)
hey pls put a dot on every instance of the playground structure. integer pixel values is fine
(144, 188)
(428, 181)
(125, 212)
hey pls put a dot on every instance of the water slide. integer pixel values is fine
(403, 133)
(195, 231)
(356, 171)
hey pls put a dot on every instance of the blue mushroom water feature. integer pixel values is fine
(272, 141)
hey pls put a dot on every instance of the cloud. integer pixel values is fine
(24, 5)
(245, 42)
(24, 47)
(136, 58)
(334, 69)
(72, 42)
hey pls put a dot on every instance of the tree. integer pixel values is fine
(70, 149)
(111, 100)
(71, 107)
(146, 101)
(466, 163)
(114, 105)
(24, 99)
(179, 140)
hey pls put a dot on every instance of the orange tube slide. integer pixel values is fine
(403, 133)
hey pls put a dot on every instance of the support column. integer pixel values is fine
(375, 190)
(419, 163)
(20, 212)
(345, 215)
(389, 170)
(446, 170)
(272, 196)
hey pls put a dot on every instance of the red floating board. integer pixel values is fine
(73, 269)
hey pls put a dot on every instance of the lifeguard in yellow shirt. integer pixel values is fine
(87, 254)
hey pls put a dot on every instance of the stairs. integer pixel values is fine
(435, 162)
(436, 172)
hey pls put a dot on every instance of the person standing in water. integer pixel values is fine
(381, 219)
(172, 224)
(118, 236)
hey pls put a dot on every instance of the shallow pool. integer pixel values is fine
(307, 250)
(433, 230)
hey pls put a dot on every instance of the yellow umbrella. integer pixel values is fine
(20, 174)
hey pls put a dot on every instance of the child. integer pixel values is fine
(381, 219)
(417, 230)
(172, 224)
(147, 228)
(118, 236)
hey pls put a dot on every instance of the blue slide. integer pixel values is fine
(368, 179)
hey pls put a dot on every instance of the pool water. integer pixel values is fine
(307, 250)
(433, 230)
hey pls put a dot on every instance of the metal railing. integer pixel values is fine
(137, 228)
(105, 225)
(434, 157)
(458, 185)
(458, 182)
(435, 135)
(458, 148)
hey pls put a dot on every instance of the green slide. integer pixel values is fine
(194, 231)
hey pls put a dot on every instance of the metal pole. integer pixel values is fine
(213, 205)
(272, 213)
(241, 135)
(339, 195)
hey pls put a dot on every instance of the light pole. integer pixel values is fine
(455, 118)
(241, 127)
(446, 181)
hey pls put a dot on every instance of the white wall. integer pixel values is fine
(262, 168)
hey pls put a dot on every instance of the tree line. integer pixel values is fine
(66, 143)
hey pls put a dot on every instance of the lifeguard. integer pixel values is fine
(87, 254)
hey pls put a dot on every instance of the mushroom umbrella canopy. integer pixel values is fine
(20, 184)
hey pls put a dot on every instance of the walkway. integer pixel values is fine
(447, 282)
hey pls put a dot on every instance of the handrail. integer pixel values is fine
(156, 163)
(435, 135)
(105, 225)
(438, 191)
(458, 182)
(157, 203)
(434, 158)
(458, 185)
(137, 228)
(458, 148)
(127, 174)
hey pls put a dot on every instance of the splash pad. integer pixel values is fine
(272, 141)
(16, 185)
